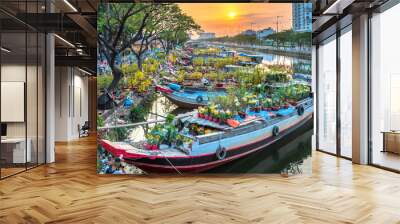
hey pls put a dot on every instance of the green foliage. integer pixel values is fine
(278, 76)
(100, 121)
(170, 118)
(103, 81)
(117, 134)
(137, 114)
(135, 27)
(302, 39)
(287, 37)
(240, 38)
(198, 61)
(163, 133)
(194, 76)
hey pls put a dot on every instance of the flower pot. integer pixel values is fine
(242, 114)
(275, 108)
(286, 106)
(222, 121)
(148, 146)
(154, 147)
(220, 85)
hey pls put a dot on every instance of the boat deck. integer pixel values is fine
(137, 149)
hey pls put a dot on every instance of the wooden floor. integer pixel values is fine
(69, 191)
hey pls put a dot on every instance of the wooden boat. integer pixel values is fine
(190, 98)
(247, 59)
(214, 149)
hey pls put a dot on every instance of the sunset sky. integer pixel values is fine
(232, 18)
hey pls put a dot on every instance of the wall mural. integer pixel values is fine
(204, 88)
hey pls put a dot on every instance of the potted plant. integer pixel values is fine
(242, 114)
(267, 102)
(179, 140)
(286, 105)
(200, 112)
(151, 142)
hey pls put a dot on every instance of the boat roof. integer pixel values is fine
(203, 122)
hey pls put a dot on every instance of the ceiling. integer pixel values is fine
(332, 15)
(74, 22)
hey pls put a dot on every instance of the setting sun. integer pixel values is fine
(232, 18)
(232, 15)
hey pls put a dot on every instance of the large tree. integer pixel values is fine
(181, 26)
(119, 25)
(136, 26)
(169, 26)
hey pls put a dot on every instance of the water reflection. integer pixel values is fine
(291, 154)
(275, 59)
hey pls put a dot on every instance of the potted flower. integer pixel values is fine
(151, 142)
(242, 114)
(267, 103)
(200, 112)
(252, 103)
(286, 105)
(216, 116)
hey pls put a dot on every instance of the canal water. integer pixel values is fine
(273, 59)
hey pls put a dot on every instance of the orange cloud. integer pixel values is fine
(232, 18)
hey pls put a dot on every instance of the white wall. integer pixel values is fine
(12, 73)
(33, 126)
(71, 102)
(314, 90)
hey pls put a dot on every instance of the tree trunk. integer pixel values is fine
(117, 74)
(139, 62)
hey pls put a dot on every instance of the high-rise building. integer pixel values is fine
(206, 35)
(302, 17)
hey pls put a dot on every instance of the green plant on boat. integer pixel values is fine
(212, 76)
(165, 133)
(267, 102)
(199, 61)
(194, 76)
(278, 76)
(181, 76)
(117, 134)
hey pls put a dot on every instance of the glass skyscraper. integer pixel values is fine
(302, 17)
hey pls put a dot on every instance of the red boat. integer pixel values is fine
(214, 149)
